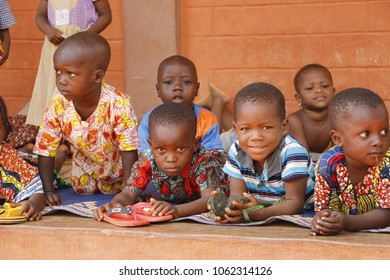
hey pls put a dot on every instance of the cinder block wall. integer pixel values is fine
(237, 42)
(17, 75)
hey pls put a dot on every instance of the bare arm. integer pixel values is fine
(46, 172)
(162, 208)
(128, 160)
(53, 34)
(296, 130)
(237, 187)
(104, 11)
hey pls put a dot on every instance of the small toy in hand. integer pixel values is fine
(219, 201)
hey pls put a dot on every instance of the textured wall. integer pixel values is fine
(237, 42)
(17, 75)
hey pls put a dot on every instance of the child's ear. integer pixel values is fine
(197, 141)
(285, 126)
(298, 99)
(336, 138)
(197, 88)
(99, 74)
(234, 125)
(149, 142)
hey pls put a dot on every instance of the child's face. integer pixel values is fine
(363, 136)
(75, 77)
(172, 147)
(259, 129)
(2, 129)
(177, 82)
(315, 89)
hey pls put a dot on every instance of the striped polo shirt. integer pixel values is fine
(290, 160)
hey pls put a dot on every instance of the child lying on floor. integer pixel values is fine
(176, 170)
(352, 181)
(19, 180)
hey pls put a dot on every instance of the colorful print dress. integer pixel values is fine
(334, 190)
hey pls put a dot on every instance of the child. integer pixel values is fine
(19, 180)
(58, 19)
(6, 21)
(97, 121)
(177, 81)
(311, 125)
(264, 162)
(182, 172)
(352, 179)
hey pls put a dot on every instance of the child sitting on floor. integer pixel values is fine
(266, 165)
(19, 179)
(178, 169)
(311, 125)
(177, 81)
(352, 179)
(96, 120)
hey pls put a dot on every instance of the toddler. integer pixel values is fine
(95, 119)
(180, 172)
(266, 165)
(352, 179)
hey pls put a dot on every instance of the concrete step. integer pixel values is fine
(64, 236)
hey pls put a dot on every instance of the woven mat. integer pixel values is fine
(303, 220)
(81, 205)
(84, 205)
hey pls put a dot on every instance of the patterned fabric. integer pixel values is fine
(19, 178)
(186, 187)
(82, 15)
(21, 133)
(289, 161)
(16, 171)
(207, 129)
(96, 143)
(7, 19)
(334, 190)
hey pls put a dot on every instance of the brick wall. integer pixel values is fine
(17, 75)
(237, 42)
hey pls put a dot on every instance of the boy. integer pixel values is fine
(94, 118)
(6, 21)
(182, 172)
(352, 179)
(264, 161)
(177, 81)
(311, 125)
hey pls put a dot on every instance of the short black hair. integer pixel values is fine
(4, 115)
(264, 92)
(309, 67)
(91, 46)
(176, 59)
(172, 114)
(352, 99)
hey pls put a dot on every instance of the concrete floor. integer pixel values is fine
(67, 236)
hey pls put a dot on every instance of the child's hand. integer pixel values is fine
(52, 198)
(55, 36)
(98, 212)
(162, 208)
(236, 215)
(327, 222)
(28, 208)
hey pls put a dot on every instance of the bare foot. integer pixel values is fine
(218, 95)
(206, 101)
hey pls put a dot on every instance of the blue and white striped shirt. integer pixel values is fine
(289, 161)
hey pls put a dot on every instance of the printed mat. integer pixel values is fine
(84, 205)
